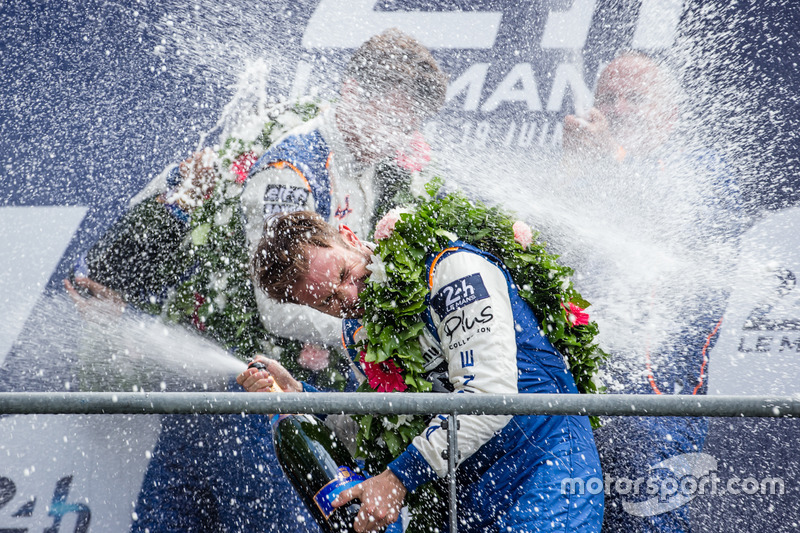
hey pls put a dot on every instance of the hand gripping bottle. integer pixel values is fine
(318, 466)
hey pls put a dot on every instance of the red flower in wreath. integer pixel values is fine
(197, 321)
(241, 166)
(385, 376)
(576, 315)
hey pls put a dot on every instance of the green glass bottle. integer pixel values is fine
(318, 466)
(140, 255)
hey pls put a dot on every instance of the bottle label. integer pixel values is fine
(345, 479)
(275, 419)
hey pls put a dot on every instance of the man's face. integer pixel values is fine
(376, 126)
(335, 277)
(632, 95)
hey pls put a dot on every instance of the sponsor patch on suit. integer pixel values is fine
(284, 199)
(458, 294)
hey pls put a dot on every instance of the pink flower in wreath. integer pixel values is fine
(385, 376)
(417, 156)
(522, 233)
(385, 226)
(313, 357)
(576, 315)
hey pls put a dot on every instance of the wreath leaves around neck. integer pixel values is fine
(395, 298)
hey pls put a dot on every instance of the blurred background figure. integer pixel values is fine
(674, 212)
(634, 115)
(351, 163)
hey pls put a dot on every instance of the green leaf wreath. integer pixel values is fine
(217, 296)
(395, 298)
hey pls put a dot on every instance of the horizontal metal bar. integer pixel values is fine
(387, 404)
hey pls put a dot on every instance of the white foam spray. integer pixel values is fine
(109, 351)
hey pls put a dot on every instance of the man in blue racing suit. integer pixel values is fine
(481, 337)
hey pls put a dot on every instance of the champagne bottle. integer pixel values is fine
(317, 464)
(140, 254)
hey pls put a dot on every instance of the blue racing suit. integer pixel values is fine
(514, 472)
(217, 473)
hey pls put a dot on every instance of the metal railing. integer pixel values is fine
(392, 404)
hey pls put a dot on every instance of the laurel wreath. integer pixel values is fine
(217, 295)
(394, 302)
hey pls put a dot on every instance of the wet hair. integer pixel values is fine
(393, 60)
(280, 259)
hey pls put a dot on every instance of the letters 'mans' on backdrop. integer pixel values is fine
(515, 69)
(88, 126)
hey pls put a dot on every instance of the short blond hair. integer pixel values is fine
(393, 60)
